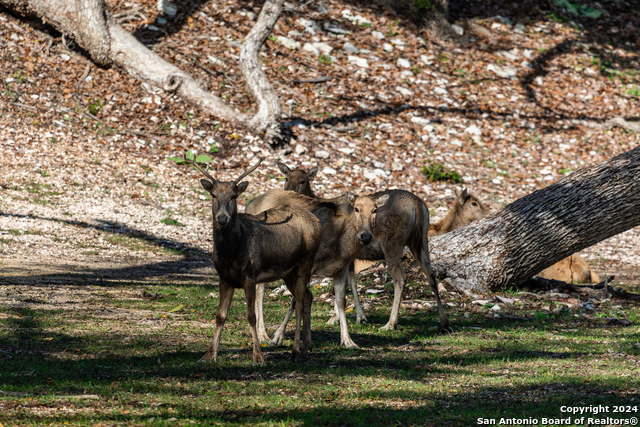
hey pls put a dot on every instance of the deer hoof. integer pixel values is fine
(361, 320)
(446, 329)
(259, 364)
(332, 321)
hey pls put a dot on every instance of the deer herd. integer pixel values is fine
(292, 235)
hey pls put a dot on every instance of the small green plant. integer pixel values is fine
(633, 91)
(94, 107)
(44, 173)
(202, 158)
(20, 77)
(324, 59)
(366, 24)
(272, 38)
(437, 172)
(11, 93)
(170, 221)
(579, 10)
(164, 128)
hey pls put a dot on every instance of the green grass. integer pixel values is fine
(123, 359)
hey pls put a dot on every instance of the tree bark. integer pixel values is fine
(90, 25)
(510, 246)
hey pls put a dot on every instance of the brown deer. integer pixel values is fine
(298, 180)
(280, 243)
(338, 246)
(387, 222)
(467, 208)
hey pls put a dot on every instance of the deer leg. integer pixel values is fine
(250, 295)
(425, 266)
(339, 286)
(351, 277)
(278, 335)
(308, 300)
(394, 265)
(260, 325)
(226, 296)
(334, 318)
(293, 284)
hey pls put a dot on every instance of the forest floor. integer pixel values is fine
(522, 98)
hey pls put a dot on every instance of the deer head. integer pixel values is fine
(298, 180)
(365, 209)
(224, 195)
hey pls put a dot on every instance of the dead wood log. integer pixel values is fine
(510, 246)
(90, 25)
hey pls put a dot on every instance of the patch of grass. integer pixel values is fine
(325, 59)
(130, 357)
(437, 172)
(171, 221)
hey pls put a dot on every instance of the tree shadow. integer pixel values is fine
(192, 260)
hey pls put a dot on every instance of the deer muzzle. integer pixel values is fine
(365, 237)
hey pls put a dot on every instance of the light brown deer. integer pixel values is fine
(280, 243)
(298, 180)
(468, 208)
(387, 222)
(338, 246)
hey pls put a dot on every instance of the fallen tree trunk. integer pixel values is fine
(510, 246)
(89, 24)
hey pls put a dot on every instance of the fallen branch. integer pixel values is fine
(541, 284)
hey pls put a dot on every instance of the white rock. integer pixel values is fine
(349, 48)
(322, 154)
(404, 63)
(527, 53)
(308, 47)
(456, 29)
(387, 47)
(300, 149)
(289, 43)
(421, 121)
(335, 29)
(329, 171)
(374, 291)
(496, 181)
(504, 72)
(404, 91)
(377, 35)
(167, 7)
(309, 25)
(397, 42)
(397, 167)
(347, 151)
(65, 57)
(428, 60)
(546, 171)
(360, 62)
(323, 47)
(294, 33)
(378, 165)
(456, 142)
(428, 128)
(473, 130)
(440, 91)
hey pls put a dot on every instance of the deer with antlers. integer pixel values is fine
(279, 243)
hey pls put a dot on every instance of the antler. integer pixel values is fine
(247, 172)
(194, 163)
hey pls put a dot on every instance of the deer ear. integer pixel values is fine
(283, 168)
(380, 201)
(464, 195)
(240, 188)
(312, 172)
(207, 185)
(350, 197)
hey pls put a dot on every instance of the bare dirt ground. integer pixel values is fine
(512, 106)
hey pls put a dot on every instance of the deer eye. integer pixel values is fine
(375, 210)
(356, 210)
(474, 204)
